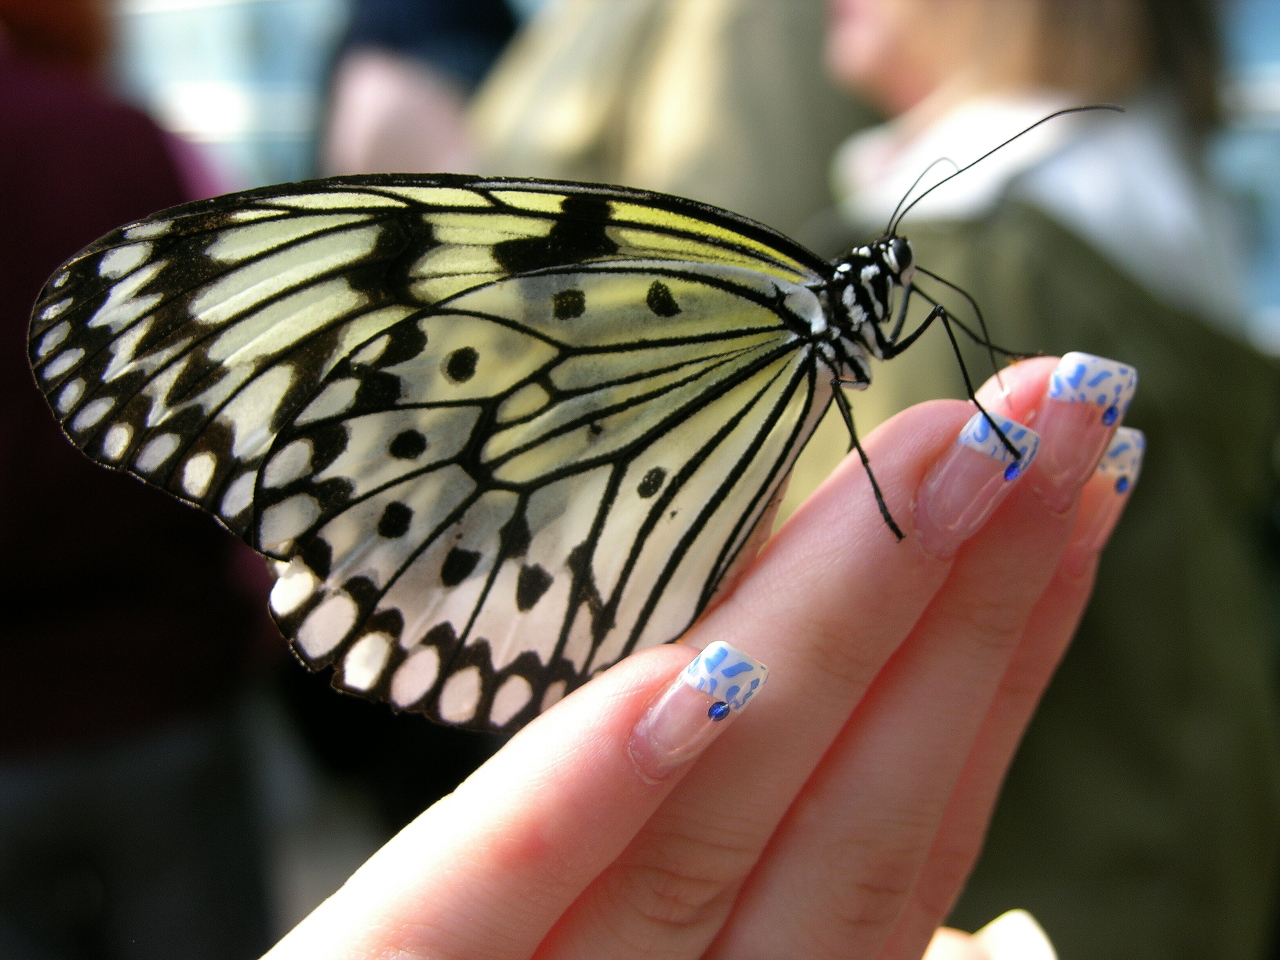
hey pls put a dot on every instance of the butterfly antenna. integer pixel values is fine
(910, 190)
(893, 223)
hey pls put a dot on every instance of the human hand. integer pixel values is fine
(840, 815)
(1014, 935)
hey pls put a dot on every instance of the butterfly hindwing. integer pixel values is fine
(489, 550)
(498, 434)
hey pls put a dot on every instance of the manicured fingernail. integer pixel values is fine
(1015, 936)
(969, 481)
(1103, 499)
(715, 687)
(1087, 399)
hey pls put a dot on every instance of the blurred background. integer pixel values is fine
(110, 110)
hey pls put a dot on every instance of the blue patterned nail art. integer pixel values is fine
(726, 673)
(1123, 459)
(978, 435)
(1084, 378)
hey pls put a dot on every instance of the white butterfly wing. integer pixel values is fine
(475, 554)
(501, 433)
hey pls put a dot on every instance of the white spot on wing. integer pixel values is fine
(52, 338)
(149, 229)
(92, 413)
(51, 311)
(363, 663)
(156, 452)
(552, 695)
(116, 442)
(326, 625)
(415, 677)
(251, 411)
(70, 395)
(62, 363)
(510, 699)
(460, 696)
(289, 464)
(285, 520)
(122, 260)
(238, 496)
(197, 472)
(292, 588)
(334, 399)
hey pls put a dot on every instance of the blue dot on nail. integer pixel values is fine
(1110, 416)
(1012, 470)
(1122, 485)
(719, 710)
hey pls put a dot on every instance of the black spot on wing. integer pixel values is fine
(460, 366)
(660, 300)
(515, 536)
(532, 583)
(317, 555)
(389, 621)
(328, 442)
(406, 340)
(577, 237)
(384, 274)
(458, 566)
(377, 391)
(408, 445)
(651, 483)
(395, 520)
(441, 635)
(568, 304)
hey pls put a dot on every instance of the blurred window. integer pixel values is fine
(243, 78)
(1246, 157)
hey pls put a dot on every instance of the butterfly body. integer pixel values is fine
(496, 434)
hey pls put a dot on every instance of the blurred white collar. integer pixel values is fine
(1119, 182)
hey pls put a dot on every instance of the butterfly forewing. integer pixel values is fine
(499, 433)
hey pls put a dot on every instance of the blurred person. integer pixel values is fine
(1139, 819)
(128, 827)
(724, 101)
(402, 81)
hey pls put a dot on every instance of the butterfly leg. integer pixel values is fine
(939, 312)
(842, 402)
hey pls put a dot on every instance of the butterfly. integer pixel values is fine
(495, 434)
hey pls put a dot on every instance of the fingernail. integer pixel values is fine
(713, 689)
(1015, 936)
(1087, 399)
(1103, 499)
(974, 475)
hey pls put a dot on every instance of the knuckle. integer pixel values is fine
(691, 890)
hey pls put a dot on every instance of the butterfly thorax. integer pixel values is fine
(861, 300)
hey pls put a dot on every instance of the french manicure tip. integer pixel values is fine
(728, 674)
(978, 434)
(1085, 378)
(1123, 459)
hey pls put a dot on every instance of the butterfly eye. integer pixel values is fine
(901, 257)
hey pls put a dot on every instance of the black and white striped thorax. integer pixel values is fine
(860, 300)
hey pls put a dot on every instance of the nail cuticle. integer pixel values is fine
(967, 483)
(718, 684)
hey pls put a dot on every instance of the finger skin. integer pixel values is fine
(826, 606)
(959, 839)
(839, 869)
(484, 873)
